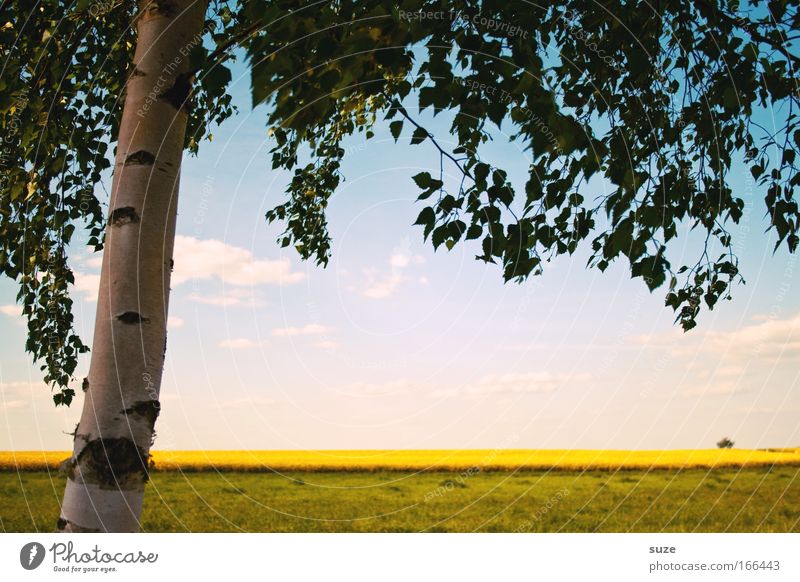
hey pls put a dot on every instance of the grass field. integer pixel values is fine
(746, 500)
(464, 491)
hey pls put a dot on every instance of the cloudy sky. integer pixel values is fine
(395, 346)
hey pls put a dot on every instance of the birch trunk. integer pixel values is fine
(108, 468)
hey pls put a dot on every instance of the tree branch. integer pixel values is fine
(217, 56)
(749, 28)
(429, 136)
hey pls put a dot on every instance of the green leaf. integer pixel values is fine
(396, 127)
(474, 231)
(418, 136)
(217, 79)
(423, 180)
(426, 216)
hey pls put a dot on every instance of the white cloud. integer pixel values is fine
(525, 383)
(231, 297)
(19, 387)
(20, 394)
(207, 259)
(11, 310)
(240, 343)
(392, 388)
(310, 329)
(175, 322)
(95, 261)
(247, 401)
(732, 371)
(399, 260)
(717, 389)
(87, 284)
(381, 285)
(489, 385)
(444, 393)
(197, 259)
(326, 345)
(674, 338)
(529, 383)
(768, 339)
(764, 410)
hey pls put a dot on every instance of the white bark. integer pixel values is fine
(108, 469)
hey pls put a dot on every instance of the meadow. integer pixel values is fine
(440, 491)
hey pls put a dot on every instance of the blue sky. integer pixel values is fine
(395, 346)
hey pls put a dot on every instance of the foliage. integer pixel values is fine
(64, 70)
(655, 101)
(725, 443)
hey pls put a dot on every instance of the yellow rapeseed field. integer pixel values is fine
(431, 460)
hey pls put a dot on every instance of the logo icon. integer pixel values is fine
(31, 555)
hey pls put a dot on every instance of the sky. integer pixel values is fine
(396, 346)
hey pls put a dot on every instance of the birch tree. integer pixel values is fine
(658, 100)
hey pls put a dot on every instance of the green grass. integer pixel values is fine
(747, 500)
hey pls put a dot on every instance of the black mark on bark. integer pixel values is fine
(137, 72)
(148, 409)
(85, 384)
(131, 318)
(64, 525)
(178, 94)
(113, 463)
(155, 8)
(124, 215)
(140, 158)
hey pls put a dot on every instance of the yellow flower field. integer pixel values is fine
(430, 460)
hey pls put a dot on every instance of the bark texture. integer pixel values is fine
(108, 469)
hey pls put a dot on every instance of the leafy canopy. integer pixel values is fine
(659, 100)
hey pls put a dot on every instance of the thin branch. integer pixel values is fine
(748, 27)
(429, 136)
(219, 54)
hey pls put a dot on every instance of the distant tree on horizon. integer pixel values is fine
(725, 443)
